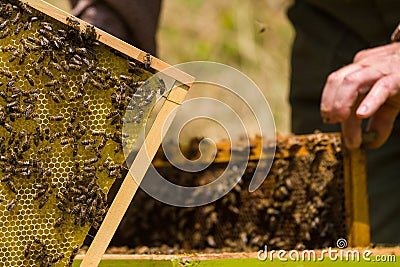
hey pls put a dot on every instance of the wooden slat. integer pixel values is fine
(356, 198)
(132, 180)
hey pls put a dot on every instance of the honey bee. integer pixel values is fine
(73, 22)
(85, 78)
(82, 130)
(76, 97)
(29, 79)
(5, 33)
(56, 117)
(48, 72)
(6, 178)
(52, 83)
(11, 205)
(89, 169)
(147, 61)
(8, 127)
(96, 84)
(12, 57)
(112, 114)
(40, 193)
(97, 132)
(43, 201)
(57, 258)
(74, 66)
(27, 250)
(59, 221)
(4, 24)
(6, 73)
(25, 145)
(16, 18)
(65, 142)
(91, 161)
(60, 196)
(65, 66)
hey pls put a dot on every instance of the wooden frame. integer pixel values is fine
(152, 140)
(356, 198)
(355, 184)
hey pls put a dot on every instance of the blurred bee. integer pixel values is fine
(4, 24)
(56, 117)
(73, 22)
(89, 169)
(29, 79)
(112, 114)
(25, 144)
(52, 83)
(8, 127)
(91, 161)
(10, 206)
(18, 28)
(57, 258)
(5, 33)
(74, 66)
(48, 72)
(102, 143)
(43, 201)
(65, 66)
(55, 65)
(76, 97)
(47, 26)
(40, 193)
(85, 104)
(27, 250)
(65, 142)
(147, 61)
(82, 130)
(6, 73)
(13, 57)
(6, 178)
(60, 196)
(97, 132)
(96, 84)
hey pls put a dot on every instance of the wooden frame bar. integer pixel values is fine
(356, 198)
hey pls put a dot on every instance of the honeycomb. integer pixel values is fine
(300, 205)
(63, 96)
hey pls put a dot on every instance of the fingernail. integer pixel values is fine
(362, 110)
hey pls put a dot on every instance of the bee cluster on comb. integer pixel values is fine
(63, 97)
(300, 205)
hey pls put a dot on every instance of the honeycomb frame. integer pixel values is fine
(64, 86)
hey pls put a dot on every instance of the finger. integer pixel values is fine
(382, 123)
(353, 84)
(384, 90)
(331, 87)
(380, 51)
(351, 129)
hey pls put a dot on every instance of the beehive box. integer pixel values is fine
(307, 201)
(65, 87)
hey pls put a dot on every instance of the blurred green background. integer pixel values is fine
(253, 36)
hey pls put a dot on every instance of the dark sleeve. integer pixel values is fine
(134, 21)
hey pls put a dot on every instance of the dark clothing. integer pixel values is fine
(328, 35)
(134, 21)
